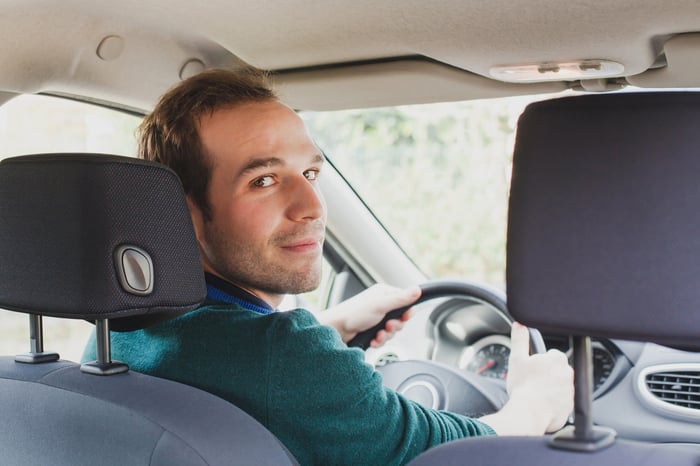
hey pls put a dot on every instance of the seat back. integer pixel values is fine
(500, 451)
(603, 218)
(602, 242)
(107, 239)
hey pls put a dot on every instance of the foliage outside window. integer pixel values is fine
(436, 175)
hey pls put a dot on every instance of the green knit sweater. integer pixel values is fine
(297, 378)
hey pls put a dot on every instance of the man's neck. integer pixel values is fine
(274, 300)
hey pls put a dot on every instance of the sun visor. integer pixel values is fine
(682, 68)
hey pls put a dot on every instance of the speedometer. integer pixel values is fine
(491, 361)
(487, 357)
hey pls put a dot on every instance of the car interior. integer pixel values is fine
(101, 261)
(590, 194)
(567, 266)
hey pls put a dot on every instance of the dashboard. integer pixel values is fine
(644, 391)
(468, 337)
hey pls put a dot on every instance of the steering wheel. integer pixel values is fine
(439, 386)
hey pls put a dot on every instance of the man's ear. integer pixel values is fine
(197, 219)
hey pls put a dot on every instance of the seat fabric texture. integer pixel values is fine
(65, 221)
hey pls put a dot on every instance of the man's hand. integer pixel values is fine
(367, 309)
(540, 388)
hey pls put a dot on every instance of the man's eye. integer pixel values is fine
(311, 174)
(263, 182)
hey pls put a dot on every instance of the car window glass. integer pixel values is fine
(436, 175)
(32, 124)
(37, 124)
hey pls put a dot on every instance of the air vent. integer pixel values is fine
(386, 358)
(673, 387)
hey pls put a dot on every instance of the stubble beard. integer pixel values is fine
(245, 266)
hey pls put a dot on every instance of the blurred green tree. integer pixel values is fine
(436, 175)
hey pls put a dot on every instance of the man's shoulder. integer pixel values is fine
(229, 327)
(225, 328)
(296, 327)
(214, 314)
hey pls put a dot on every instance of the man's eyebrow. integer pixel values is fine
(267, 162)
(256, 163)
(319, 158)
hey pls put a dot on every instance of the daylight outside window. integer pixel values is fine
(436, 175)
(42, 124)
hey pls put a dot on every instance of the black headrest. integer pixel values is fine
(92, 236)
(604, 217)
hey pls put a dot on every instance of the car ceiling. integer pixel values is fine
(331, 54)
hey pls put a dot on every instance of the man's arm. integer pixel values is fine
(367, 309)
(329, 406)
(540, 386)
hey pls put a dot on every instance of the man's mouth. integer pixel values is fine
(304, 245)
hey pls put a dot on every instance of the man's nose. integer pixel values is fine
(306, 201)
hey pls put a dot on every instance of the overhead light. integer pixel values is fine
(556, 71)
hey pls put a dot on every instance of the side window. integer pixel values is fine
(36, 124)
(447, 164)
(31, 124)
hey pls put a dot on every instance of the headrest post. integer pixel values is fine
(104, 349)
(583, 387)
(36, 353)
(583, 436)
(104, 364)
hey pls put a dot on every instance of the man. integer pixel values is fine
(250, 170)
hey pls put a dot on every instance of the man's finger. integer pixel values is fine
(393, 325)
(406, 296)
(519, 341)
(379, 339)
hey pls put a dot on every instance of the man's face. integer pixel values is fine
(268, 214)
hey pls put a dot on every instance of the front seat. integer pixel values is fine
(603, 241)
(107, 239)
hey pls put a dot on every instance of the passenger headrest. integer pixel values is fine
(92, 236)
(604, 217)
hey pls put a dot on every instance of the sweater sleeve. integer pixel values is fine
(322, 393)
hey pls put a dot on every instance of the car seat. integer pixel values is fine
(106, 239)
(603, 241)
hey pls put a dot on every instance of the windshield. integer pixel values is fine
(436, 175)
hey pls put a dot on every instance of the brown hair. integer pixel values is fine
(170, 135)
